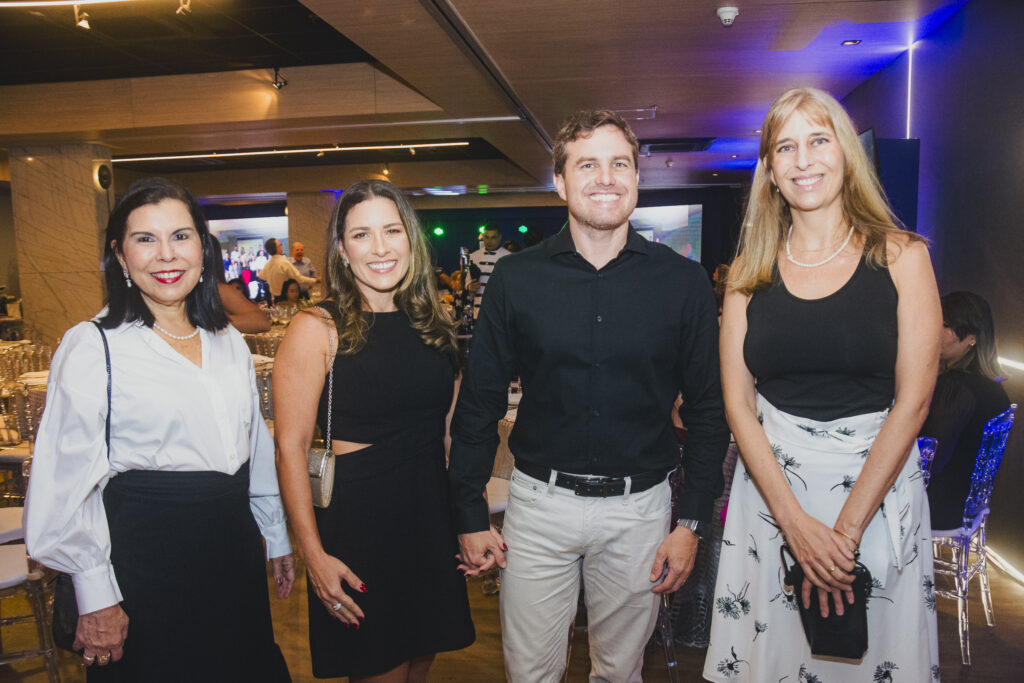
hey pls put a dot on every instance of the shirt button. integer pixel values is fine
(597, 365)
(599, 318)
(597, 413)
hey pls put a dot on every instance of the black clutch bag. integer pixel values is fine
(843, 636)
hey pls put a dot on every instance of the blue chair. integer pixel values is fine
(926, 447)
(970, 537)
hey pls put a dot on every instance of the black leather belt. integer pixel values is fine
(593, 486)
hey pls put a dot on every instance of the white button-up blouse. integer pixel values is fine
(166, 414)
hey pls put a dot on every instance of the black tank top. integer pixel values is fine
(826, 358)
(395, 386)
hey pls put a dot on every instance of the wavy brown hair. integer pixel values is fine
(416, 295)
(582, 124)
(768, 216)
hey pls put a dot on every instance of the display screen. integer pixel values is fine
(677, 226)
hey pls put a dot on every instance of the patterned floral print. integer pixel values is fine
(756, 635)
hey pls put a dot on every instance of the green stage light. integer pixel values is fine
(481, 229)
(523, 229)
(439, 231)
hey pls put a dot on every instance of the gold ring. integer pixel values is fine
(103, 659)
(832, 569)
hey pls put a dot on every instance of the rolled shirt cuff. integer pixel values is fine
(96, 588)
(278, 544)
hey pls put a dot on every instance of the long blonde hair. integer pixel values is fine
(768, 216)
(416, 295)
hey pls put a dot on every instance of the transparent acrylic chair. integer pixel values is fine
(970, 537)
(926, 446)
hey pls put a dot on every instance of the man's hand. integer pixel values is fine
(674, 560)
(480, 551)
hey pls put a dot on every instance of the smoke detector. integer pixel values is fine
(728, 15)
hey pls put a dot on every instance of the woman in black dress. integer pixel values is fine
(385, 592)
(967, 395)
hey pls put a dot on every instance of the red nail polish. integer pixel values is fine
(361, 618)
(363, 588)
(504, 547)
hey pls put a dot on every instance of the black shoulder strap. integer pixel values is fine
(106, 352)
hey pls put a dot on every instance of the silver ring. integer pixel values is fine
(336, 607)
(88, 659)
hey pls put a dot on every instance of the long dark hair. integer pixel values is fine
(967, 313)
(416, 295)
(124, 303)
(284, 288)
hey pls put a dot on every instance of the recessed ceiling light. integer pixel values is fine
(715, 174)
(850, 42)
(735, 156)
(758, 131)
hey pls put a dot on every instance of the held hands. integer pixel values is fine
(827, 558)
(674, 560)
(100, 635)
(284, 574)
(480, 551)
(326, 573)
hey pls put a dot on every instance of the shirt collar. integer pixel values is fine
(562, 242)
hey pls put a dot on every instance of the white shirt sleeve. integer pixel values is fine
(264, 494)
(65, 522)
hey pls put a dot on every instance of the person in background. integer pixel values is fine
(303, 265)
(511, 246)
(385, 594)
(967, 394)
(829, 351)
(243, 314)
(288, 299)
(160, 530)
(279, 269)
(605, 329)
(484, 259)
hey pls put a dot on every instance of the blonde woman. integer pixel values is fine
(829, 355)
(385, 593)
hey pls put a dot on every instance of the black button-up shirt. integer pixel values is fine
(601, 355)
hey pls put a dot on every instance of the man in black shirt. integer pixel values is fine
(604, 328)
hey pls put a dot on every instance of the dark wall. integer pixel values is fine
(968, 111)
(722, 212)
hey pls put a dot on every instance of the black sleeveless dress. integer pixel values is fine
(389, 518)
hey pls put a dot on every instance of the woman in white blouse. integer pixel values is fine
(160, 530)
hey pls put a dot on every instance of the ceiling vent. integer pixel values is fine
(674, 146)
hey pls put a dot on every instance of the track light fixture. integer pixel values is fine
(278, 82)
(387, 171)
(184, 7)
(81, 19)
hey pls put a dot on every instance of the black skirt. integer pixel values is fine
(189, 559)
(389, 521)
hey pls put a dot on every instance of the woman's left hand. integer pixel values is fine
(284, 574)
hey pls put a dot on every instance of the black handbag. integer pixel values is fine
(65, 603)
(843, 636)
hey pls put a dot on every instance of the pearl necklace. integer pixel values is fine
(792, 260)
(175, 336)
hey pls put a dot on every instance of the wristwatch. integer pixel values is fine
(693, 525)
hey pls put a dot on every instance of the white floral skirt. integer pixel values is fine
(755, 630)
